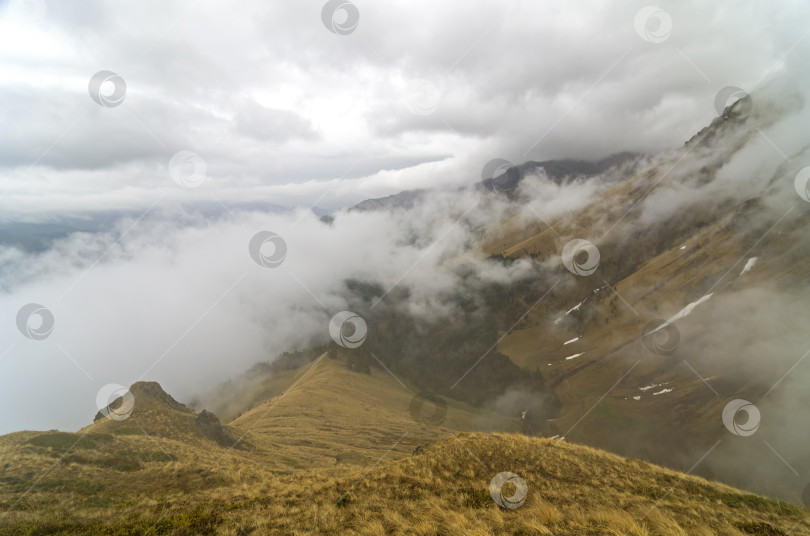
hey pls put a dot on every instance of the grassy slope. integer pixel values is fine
(651, 277)
(122, 482)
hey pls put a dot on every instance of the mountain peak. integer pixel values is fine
(153, 411)
(153, 391)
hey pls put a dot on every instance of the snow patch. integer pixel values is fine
(573, 356)
(637, 397)
(574, 308)
(572, 340)
(651, 386)
(662, 391)
(683, 247)
(686, 311)
(750, 264)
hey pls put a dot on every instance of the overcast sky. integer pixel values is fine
(279, 107)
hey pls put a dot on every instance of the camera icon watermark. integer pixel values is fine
(802, 183)
(661, 337)
(733, 95)
(107, 89)
(517, 498)
(653, 24)
(187, 169)
(428, 408)
(35, 321)
(340, 16)
(258, 249)
(495, 168)
(422, 97)
(115, 402)
(580, 257)
(348, 329)
(733, 409)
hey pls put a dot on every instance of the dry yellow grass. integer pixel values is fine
(288, 484)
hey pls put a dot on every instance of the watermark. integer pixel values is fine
(517, 498)
(107, 89)
(732, 95)
(258, 249)
(107, 402)
(661, 337)
(187, 169)
(35, 321)
(428, 408)
(422, 97)
(802, 183)
(751, 424)
(348, 329)
(580, 257)
(653, 24)
(340, 16)
(495, 168)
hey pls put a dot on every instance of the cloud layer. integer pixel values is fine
(419, 94)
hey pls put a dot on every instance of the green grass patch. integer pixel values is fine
(476, 497)
(651, 492)
(117, 462)
(61, 442)
(761, 504)
(128, 431)
(740, 500)
(202, 521)
(345, 500)
(759, 529)
(21, 485)
(28, 503)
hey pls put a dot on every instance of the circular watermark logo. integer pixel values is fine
(115, 402)
(580, 257)
(340, 16)
(187, 169)
(35, 321)
(661, 337)
(653, 24)
(733, 409)
(517, 498)
(733, 95)
(422, 97)
(495, 168)
(802, 183)
(259, 245)
(107, 89)
(428, 408)
(348, 329)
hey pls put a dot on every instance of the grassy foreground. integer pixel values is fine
(572, 490)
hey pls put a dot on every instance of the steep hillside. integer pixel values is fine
(693, 261)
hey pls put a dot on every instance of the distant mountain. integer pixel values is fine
(34, 235)
(623, 165)
(404, 199)
(611, 169)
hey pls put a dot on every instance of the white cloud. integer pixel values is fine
(515, 81)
